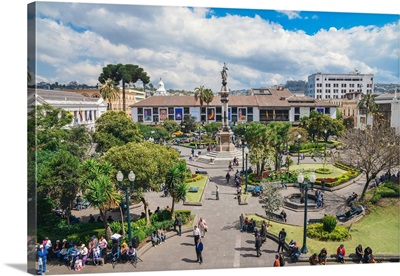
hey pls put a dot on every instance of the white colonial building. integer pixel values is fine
(336, 86)
(85, 110)
(263, 105)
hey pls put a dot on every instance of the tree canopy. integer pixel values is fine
(372, 150)
(115, 129)
(127, 73)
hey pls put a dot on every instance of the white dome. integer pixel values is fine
(161, 89)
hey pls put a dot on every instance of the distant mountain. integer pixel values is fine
(386, 88)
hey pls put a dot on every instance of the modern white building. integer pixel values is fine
(85, 110)
(389, 107)
(336, 86)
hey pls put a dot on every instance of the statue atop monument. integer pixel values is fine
(224, 75)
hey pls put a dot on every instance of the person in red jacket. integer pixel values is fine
(341, 253)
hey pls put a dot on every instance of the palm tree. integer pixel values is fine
(109, 91)
(101, 194)
(204, 95)
(367, 103)
(175, 182)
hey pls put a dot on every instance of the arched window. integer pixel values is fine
(96, 96)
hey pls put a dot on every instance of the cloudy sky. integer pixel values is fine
(187, 46)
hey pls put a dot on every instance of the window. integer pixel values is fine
(218, 110)
(297, 118)
(155, 110)
(297, 110)
(249, 118)
(234, 110)
(171, 116)
(186, 110)
(203, 110)
(140, 118)
(218, 118)
(171, 111)
(250, 110)
(140, 111)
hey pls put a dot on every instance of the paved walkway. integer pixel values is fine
(224, 246)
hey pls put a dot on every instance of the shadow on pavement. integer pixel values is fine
(189, 260)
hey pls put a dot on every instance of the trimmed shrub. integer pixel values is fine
(316, 231)
(323, 171)
(329, 223)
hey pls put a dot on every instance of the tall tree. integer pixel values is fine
(203, 95)
(271, 197)
(102, 194)
(372, 150)
(150, 162)
(175, 182)
(109, 91)
(127, 73)
(277, 134)
(368, 105)
(115, 129)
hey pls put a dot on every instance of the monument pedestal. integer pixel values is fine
(225, 141)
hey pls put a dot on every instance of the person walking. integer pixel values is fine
(202, 224)
(228, 177)
(323, 184)
(281, 259)
(258, 245)
(178, 222)
(42, 259)
(216, 192)
(264, 231)
(199, 251)
(196, 234)
(281, 240)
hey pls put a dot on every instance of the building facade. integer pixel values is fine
(84, 110)
(131, 96)
(389, 109)
(336, 86)
(263, 105)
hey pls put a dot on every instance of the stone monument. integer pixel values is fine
(225, 150)
(225, 134)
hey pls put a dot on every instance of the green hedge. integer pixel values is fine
(316, 231)
(194, 179)
(387, 189)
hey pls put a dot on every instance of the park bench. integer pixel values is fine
(350, 214)
(193, 189)
(201, 172)
(274, 216)
(311, 221)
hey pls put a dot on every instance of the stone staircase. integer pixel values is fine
(219, 157)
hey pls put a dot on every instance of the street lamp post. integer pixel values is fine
(298, 144)
(312, 180)
(243, 146)
(300, 179)
(247, 154)
(325, 132)
(126, 188)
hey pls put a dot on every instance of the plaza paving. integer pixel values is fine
(224, 245)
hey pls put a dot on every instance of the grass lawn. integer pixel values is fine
(336, 172)
(195, 197)
(379, 230)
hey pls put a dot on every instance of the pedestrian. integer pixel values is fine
(281, 259)
(42, 259)
(283, 184)
(202, 224)
(281, 240)
(216, 192)
(264, 231)
(258, 245)
(239, 198)
(313, 260)
(323, 184)
(199, 250)
(277, 261)
(341, 253)
(178, 222)
(283, 215)
(196, 234)
(322, 256)
(228, 177)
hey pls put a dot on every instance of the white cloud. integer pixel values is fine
(187, 48)
(291, 14)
